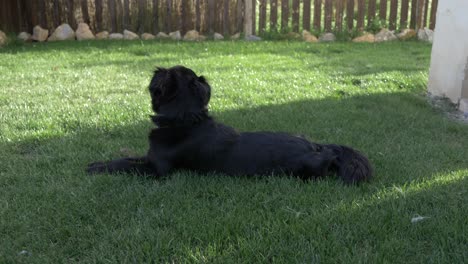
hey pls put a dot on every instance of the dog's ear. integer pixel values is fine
(202, 79)
(160, 69)
(164, 82)
(202, 90)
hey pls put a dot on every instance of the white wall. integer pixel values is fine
(449, 50)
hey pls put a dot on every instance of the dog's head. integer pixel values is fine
(178, 93)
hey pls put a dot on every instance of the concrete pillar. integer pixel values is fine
(449, 70)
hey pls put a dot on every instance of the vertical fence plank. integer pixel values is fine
(404, 14)
(306, 15)
(350, 14)
(155, 16)
(57, 13)
(4, 21)
(284, 15)
(328, 15)
(30, 17)
(211, 16)
(414, 4)
(295, 15)
(112, 16)
(168, 17)
(273, 15)
(393, 14)
(183, 17)
(248, 18)
(21, 15)
(339, 7)
(70, 13)
(371, 12)
(142, 5)
(42, 13)
(218, 16)
(420, 14)
(262, 17)
(360, 15)
(226, 18)
(97, 14)
(206, 14)
(126, 14)
(7, 21)
(254, 17)
(197, 16)
(118, 14)
(432, 20)
(317, 14)
(84, 11)
(240, 15)
(383, 10)
(426, 9)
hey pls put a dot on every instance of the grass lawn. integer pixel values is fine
(63, 105)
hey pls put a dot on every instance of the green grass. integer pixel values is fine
(63, 105)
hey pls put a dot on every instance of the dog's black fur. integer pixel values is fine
(187, 137)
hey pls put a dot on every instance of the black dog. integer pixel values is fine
(188, 138)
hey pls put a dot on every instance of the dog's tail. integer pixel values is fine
(351, 166)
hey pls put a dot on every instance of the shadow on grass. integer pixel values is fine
(402, 135)
(406, 140)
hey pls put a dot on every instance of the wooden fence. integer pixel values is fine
(223, 16)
